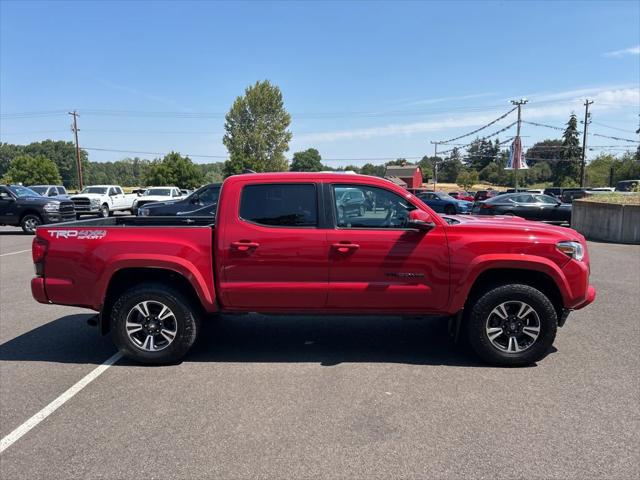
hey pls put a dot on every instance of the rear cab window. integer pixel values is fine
(280, 205)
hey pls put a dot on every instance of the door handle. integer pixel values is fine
(244, 246)
(345, 247)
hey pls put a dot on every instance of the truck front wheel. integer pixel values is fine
(153, 324)
(512, 325)
(30, 222)
(104, 211)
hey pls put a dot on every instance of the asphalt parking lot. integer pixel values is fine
(335, 397)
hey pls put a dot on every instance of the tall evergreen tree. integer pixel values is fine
(566, 170)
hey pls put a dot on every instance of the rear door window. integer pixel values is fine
(280, 205)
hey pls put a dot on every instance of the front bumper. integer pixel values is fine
(591, 296)
(59, 217)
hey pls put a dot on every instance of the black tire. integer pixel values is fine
(30, 222)
(187, 323)
(104, 211)
(450, 210)
(477, 320)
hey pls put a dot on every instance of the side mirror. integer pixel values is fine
(420, 220)
(195, 199)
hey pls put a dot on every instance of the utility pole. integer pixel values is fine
(74, 129)
(587, 116)
(519, 103)
(435, 164)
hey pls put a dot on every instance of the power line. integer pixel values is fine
(612, 128)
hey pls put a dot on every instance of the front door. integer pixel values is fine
(378, 265)
(8, 207)
(274, 253)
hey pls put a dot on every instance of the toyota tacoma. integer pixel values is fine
(280, 243)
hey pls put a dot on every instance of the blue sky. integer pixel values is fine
(362, 80)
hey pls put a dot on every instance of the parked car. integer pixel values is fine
(56, 191)
(198, 201)
(628, 186)
(185, 192)
(602, 189)
(571, 194)
(553, 192)
(531, 206)
(22, 207)
(155, 194)
(461, 195)
(484, 194)
(278, 245)
(443, 203)
(350, 201)
(102, 200)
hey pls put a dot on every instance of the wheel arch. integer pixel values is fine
(30, 211)
(126, 278)
(494, 277)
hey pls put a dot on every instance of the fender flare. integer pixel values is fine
(177, 265)
(484, 263)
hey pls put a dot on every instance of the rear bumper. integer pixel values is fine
(38, 291)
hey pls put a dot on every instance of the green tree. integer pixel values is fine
(307, 161)
(174, 169)
(481, 153)
(548, 149)
(426, 167)
(256, 131)
(566, 170)
(32, 170)
(467, 179)
(374, 170)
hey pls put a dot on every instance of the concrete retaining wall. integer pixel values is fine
(607, 221)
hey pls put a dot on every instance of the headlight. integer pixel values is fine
(572, 249)
(51, 207)
(95, 202)
(143, 212)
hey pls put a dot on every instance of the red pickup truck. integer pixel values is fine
(316, 243)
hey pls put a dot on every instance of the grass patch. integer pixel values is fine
(616, 198)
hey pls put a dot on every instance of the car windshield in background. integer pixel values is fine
(39, 190)
(23, 191)
(161, 192)
(444, 196)
(98, 190)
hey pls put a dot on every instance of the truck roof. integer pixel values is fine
(311, 176)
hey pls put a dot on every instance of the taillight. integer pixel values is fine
(39, 249)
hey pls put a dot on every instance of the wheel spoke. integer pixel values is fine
(148, 343)
(501, 311)
(494, 333)
(133, 327)
(513, 346)
(531, 331)
(524, 312)
(143, 308)
(165, 313)
(168, 334)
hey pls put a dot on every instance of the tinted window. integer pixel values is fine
(290, 205)
(209, 195)
(61, 191)
(523, 199)
(372, 208)
(546, 199)
(39, 189)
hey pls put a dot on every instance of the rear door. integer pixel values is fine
(274, 253)
(377, 264)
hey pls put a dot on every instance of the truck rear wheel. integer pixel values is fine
(512, 325)
(154, 324)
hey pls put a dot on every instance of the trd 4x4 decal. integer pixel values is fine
(79, 234)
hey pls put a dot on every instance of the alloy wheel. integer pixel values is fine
(151, 326)
(513, 326)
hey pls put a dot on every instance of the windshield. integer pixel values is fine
(161, 192)
(23, 191)
(98, 190)
(39, 189)
(444, 196)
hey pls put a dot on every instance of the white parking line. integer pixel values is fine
(14, 253)
(10, 439)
